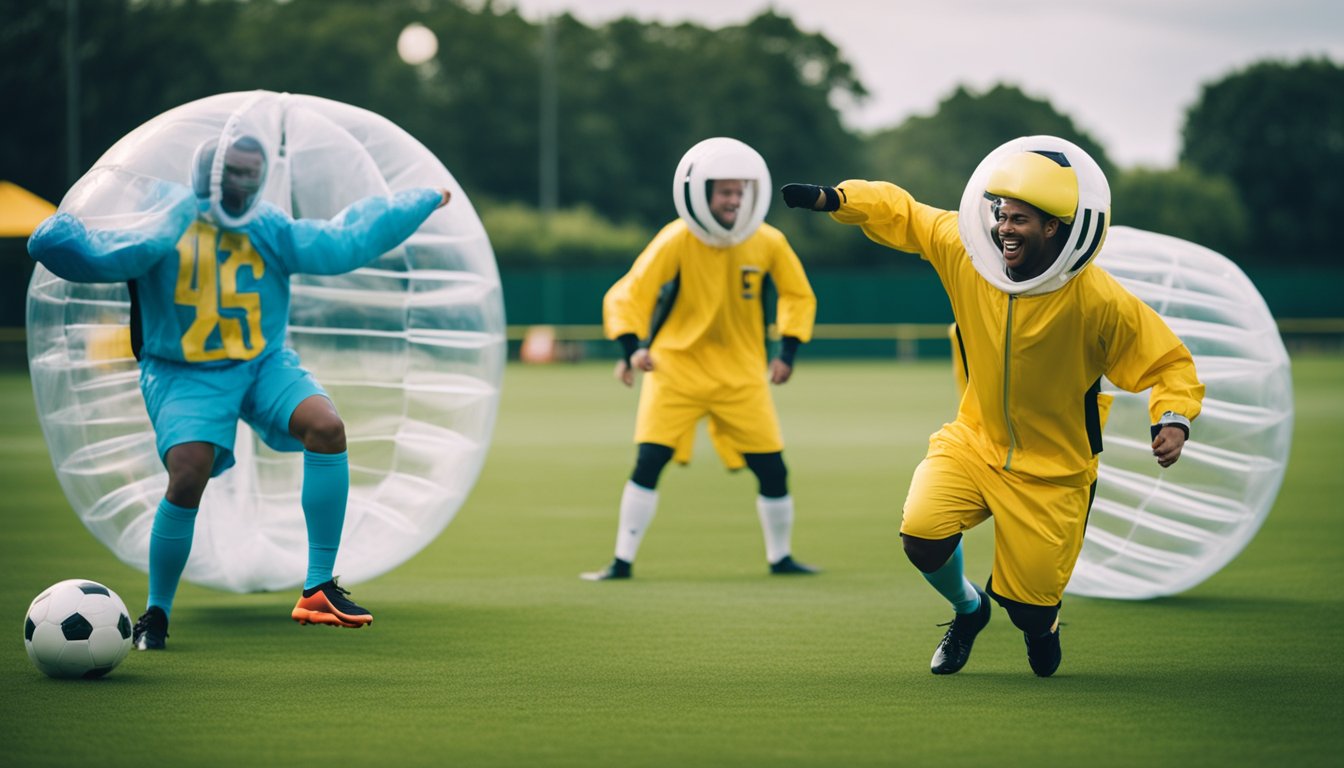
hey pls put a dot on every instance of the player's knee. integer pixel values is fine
(189, 466)
(928, 555)
(649, 463)
(771, 473)
(1035, 620)
(326, 435)
(186, 490)
(317, 425)
(322, 431)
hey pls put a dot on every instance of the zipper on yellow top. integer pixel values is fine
(1007, 382)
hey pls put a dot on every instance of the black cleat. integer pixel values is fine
(955, 649)
(619, 569)
(786, 566)
(1043, 653)
(151, 630)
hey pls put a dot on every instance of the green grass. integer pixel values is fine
(489, 651)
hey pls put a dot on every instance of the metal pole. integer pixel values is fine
(72, 116)
(552, 288)
(547, 168)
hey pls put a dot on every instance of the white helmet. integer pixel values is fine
(721, 158)
(247, 146)
(229, 183)
(1052, 174)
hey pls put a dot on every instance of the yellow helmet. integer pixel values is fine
(1052, 174)
(1045, 182)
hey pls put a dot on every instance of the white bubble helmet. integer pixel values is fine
(229, 180)
(721, 158)
(1052, 174)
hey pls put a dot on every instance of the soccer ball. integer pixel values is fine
(77, 628)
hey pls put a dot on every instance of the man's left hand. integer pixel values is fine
(780, 371)
(1168, 444)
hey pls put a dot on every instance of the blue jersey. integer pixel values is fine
(209, 295)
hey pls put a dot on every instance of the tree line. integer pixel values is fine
(1261, 169)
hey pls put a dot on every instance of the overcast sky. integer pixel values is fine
(1126, 71)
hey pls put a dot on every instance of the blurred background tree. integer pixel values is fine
(1183, 203)
(1261, 173)
(1276, 131)
(934, 155)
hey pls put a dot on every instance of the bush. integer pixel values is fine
(523, 236)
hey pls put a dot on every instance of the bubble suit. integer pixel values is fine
(411, 348)
(1155, 532)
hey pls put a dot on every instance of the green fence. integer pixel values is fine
(902, 312)
(860, 312)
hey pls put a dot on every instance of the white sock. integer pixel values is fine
(637, 507)
(777, 525)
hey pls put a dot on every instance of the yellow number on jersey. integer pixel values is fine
(206, 285)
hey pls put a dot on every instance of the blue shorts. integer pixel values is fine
(190, 402)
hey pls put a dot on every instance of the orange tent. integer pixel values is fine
(21, 211)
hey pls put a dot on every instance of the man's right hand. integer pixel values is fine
(642, 360)
(813, 197)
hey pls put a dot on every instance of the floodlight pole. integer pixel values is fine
(547, 173)
(72, 165)
(547, 157)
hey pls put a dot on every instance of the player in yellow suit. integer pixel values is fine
(703, 351)
(1038, 330)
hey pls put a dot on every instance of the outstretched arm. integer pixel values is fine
(64, 245)
(886, 213)
(811, 196)
(361, 233)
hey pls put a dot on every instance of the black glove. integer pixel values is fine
(805, 196)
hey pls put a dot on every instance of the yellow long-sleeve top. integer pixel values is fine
(1032, 361)
(715, 333)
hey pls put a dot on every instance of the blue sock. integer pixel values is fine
(169, 546)
(950, 581)
(326, 484)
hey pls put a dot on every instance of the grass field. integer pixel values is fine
(488, 650)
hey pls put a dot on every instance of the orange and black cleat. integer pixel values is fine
(327, 603)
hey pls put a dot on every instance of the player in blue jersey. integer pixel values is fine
(210, 284)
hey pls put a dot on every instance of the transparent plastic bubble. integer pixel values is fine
(1155, 532)
(411, 348)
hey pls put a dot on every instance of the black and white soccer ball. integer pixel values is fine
(77, 628)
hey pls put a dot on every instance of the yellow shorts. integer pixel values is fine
(742, 419)
(1038, 526)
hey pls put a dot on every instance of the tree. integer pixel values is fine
(1276, 130)
(1182, 203)
(934, 156)
(32, 77)
(634, 97)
